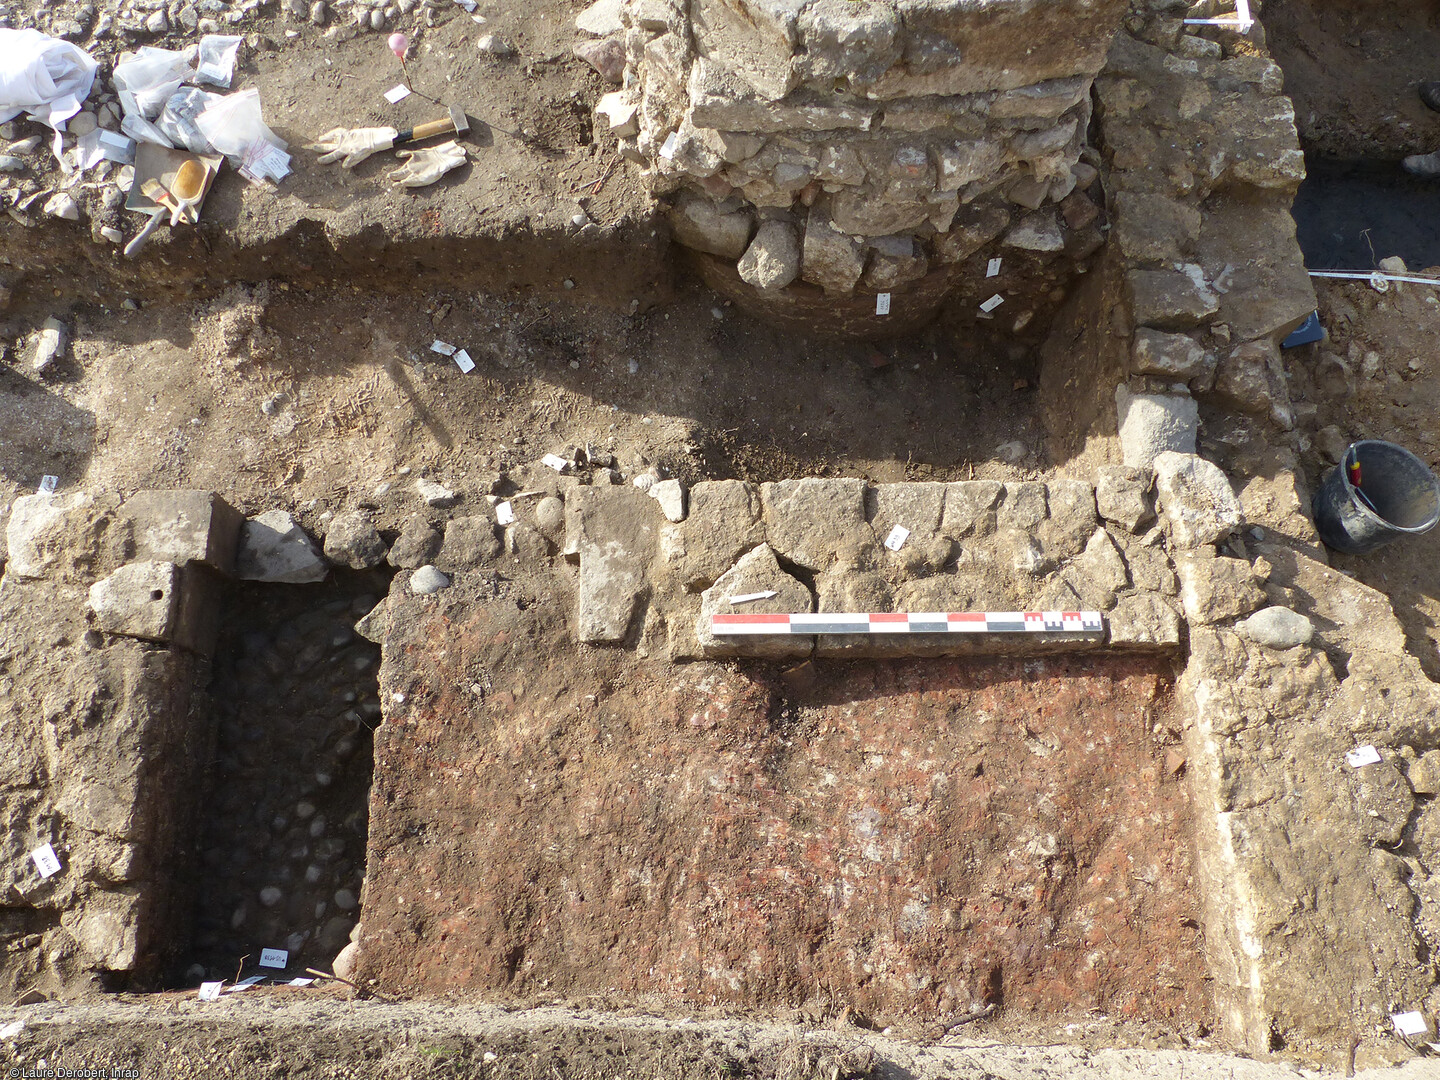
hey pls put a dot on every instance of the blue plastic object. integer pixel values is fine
(1308, 331)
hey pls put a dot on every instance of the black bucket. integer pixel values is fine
(1397, 495)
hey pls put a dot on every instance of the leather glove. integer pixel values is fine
(426, 166)
(353, 144)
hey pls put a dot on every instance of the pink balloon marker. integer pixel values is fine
(400, 45)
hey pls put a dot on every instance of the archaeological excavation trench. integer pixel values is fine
(324, 643)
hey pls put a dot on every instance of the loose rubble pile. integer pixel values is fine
(863, 147)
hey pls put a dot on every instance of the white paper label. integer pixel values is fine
(504, 513)
(463, 361)
(896, 540)
(1362, 755)
(468, 5)
(991, 304)
(210, 991)
(397, 94)
(46, 861)
(48, 484)
(992, 268)
(218, 74)
(556, 462)
(1409, 1023)
(882, 303)
(246, 984)
(115, 147)
(667, 150)
(276, 958)
(745, 598)
(300, 981)
(444, 348)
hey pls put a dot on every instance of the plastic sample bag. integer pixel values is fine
(42, 76)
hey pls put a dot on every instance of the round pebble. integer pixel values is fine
(270, 896)
(304, 809)
(345, 900)
(427, 580)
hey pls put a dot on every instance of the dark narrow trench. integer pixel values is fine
(1351, 214)
(282, 848)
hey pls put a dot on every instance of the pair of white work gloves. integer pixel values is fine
(421, 168)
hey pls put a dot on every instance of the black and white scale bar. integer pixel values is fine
(918, 622)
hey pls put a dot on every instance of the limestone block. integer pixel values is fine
(1152, 424)
(140, 600)
(1155, 228)
(724, 523)
(971, 508)
(1382, 802)
(417, 544)
(757, 571)
(918, 507)
(64, 537)
(601, 18)
(1349, 617)
(352, 540)
(273, 547)
(1150, 568)
(1022, 506)
(720, 99)
(1270, 291)
(1046, 99)
(1102, 567)
(107, 928)
(617, 529)
(808, 521)
(829, 258)
(703, 225)
(184, 526)
(1171, 356)
(772, 260)
(1038, 232)
(894, 261)
(965, 48)
(1171, 299)
(1144, 619)
(1125, 495)
(755, 37)
(1424, 773)
(1216, 588)
(961, 163)
(844, 40)
(1197, 500)
(469, 542)
(974, 227)
(864, 213)
(1070, 520)
(1252, 379)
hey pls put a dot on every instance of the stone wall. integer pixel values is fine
(819, 150)
(107, 616)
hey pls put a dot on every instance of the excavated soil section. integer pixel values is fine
(914, 837)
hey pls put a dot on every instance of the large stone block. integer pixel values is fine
(64, 537)
(918, 507)
(829, 257)
(184, 526)
(703, 225)
(1197, 500)
(273, 547)
(841, 40)
(962, 48)
(616, 530)
(756, 572)
(757, 38)
(1172, 299)
(1216, 588)
(724, 523)
(140, 600)
(809, 521)
(970, 508)
(1152, 424)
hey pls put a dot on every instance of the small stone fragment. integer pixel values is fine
(772, 260)
(352, 540)
(1277, 628)
(434, 494)
(670, 494)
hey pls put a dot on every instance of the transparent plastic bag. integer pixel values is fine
(145, 81)
(234, 122)
(216, 61)
(178, 119)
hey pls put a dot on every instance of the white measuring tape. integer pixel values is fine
(919, 622)
(1241, 20)
(1372, 276)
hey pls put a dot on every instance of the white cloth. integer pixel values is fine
(42, 76)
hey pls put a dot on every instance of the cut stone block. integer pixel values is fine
(918, 507)
(184, 526)
(1216, 588)
(616, 530)
(809, 521)
(970, 508)
(1125, 495)
(1171, 299)
(724, 522)
(352, 540)
(1151, 424)
(40, 535)
(1071, 519)
(756, 572)
(1197, 500)
(469, 542)
(702, 225)
(140, 600)
(1144, 619)
(273, 547)
(756, 38)
(1171, 356)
